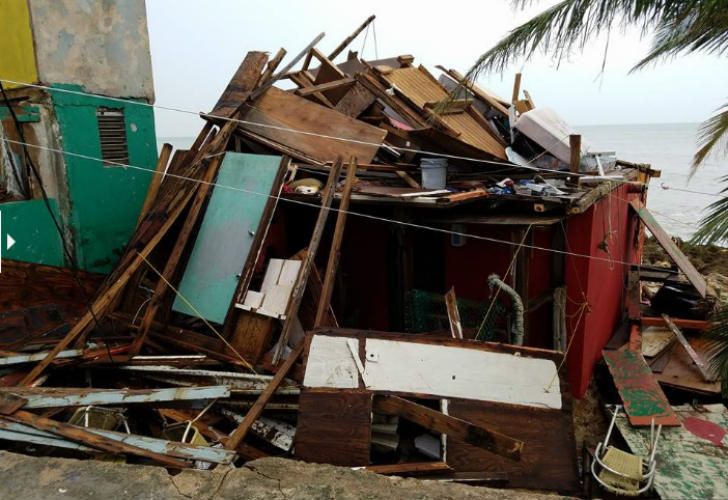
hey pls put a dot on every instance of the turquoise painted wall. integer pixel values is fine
(36, 238)
(104, 200)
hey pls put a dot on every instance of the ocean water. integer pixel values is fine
(667, 147)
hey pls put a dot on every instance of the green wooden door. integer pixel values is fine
(226, 234)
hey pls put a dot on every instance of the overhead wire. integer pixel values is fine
(315, 205)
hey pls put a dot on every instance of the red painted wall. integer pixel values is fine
(596, 287)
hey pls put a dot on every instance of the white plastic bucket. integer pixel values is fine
(434, 173)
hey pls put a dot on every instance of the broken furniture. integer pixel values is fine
(622, 472)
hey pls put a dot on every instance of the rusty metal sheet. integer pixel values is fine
(642, 396)
(692, 460)
(694, 277)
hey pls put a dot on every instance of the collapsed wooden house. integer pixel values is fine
(429, 273)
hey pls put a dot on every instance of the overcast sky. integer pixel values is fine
(196, 47)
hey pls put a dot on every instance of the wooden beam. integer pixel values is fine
(299, 288)
(516, 88)
(323, 87)
(434, 420)
(335, 251)
(343, 45)
(575, 146)
(678, 257)
(699, 362)
(101, 304)
(156, 181)
(272, 65)
(174, 257)
(687, 324)
(81, 435)
(236, 438)
(264, 86)
(410, 468)
(453, 315)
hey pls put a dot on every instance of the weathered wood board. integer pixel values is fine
(434, 369)
(548, 460)
(226, 234)
(334, 427)
(282, 114)
(694, 277)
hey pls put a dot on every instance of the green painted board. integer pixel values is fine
(226, 234)
(692, 460)
(31, 226)
(642, 396)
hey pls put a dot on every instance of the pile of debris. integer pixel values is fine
(213, 342)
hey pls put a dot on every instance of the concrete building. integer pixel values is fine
(74, 140)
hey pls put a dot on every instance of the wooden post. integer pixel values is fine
(575, 145)
(516, 89)
(338, 50)
(156, 181)
(294, 303)
(334, 253)
(236, 438)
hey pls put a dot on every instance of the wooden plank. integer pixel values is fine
(344, 44)
(490, 99)
(334, 427)
(516, 88)
(476, 435)
(708, 375)
(687, 324)
(683, 263)
(453, 315)
(156, 180)
(89, 438)
(549, 459)
(641, 394)
(265, 86)
(236, 438)
(173, 259)
(284, 116)
(308, 262)
(226, 234)
(345, 83)
(335, 250)
(241, 85)
(101, 304)
(252, 335)
(410, 468)
(272, 66)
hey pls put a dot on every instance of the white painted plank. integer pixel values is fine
(458, 372)
(272, 274)
(330, 364)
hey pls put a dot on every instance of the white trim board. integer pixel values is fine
(437, 370)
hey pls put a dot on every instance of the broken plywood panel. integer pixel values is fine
(642, 396)
(275, 292)
(328, 134)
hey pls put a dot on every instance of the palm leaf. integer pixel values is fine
(693, 27)
(713, 135)
(714, 226)
(569, 25)
(717, 346)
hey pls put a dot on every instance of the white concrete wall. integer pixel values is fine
(102, 45)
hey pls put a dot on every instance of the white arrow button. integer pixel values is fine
(10, 242)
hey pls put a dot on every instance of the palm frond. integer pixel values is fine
(713, 227)
(717, 345)
(568, 25)
(712, 136)
(700, 26)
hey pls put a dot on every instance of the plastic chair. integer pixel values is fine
(622, 472)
